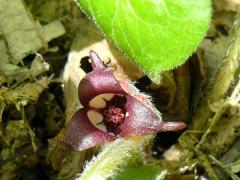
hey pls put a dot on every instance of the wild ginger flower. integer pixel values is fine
(112, 109)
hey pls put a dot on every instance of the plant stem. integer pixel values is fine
(113, 157)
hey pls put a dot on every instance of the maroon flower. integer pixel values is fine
(112, 109)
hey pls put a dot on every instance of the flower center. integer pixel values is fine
(114, 113)
(107, 112)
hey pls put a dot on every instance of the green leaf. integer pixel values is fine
(157, 35)
(150, 172)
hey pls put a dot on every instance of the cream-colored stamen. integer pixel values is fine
(101, 127)
(100, 100)
(96, 118)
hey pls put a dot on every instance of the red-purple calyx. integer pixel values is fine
(112, 109)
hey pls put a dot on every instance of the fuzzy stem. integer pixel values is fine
(113, 157)
(162, 175)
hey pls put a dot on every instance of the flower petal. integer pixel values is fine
(96, 62)
(81, 134)
(141, 120)
(97, 82)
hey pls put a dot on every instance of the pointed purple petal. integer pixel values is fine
(141, 120)
(98, 82)
(172, 126)
(80, 134)
(96, 62)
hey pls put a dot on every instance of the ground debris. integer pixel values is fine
(38, 95)
(215, 121)
(21, 33)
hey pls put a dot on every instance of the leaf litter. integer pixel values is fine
(38, 95)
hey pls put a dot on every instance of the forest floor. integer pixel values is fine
(44, 47)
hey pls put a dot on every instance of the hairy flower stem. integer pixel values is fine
(114, 157)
